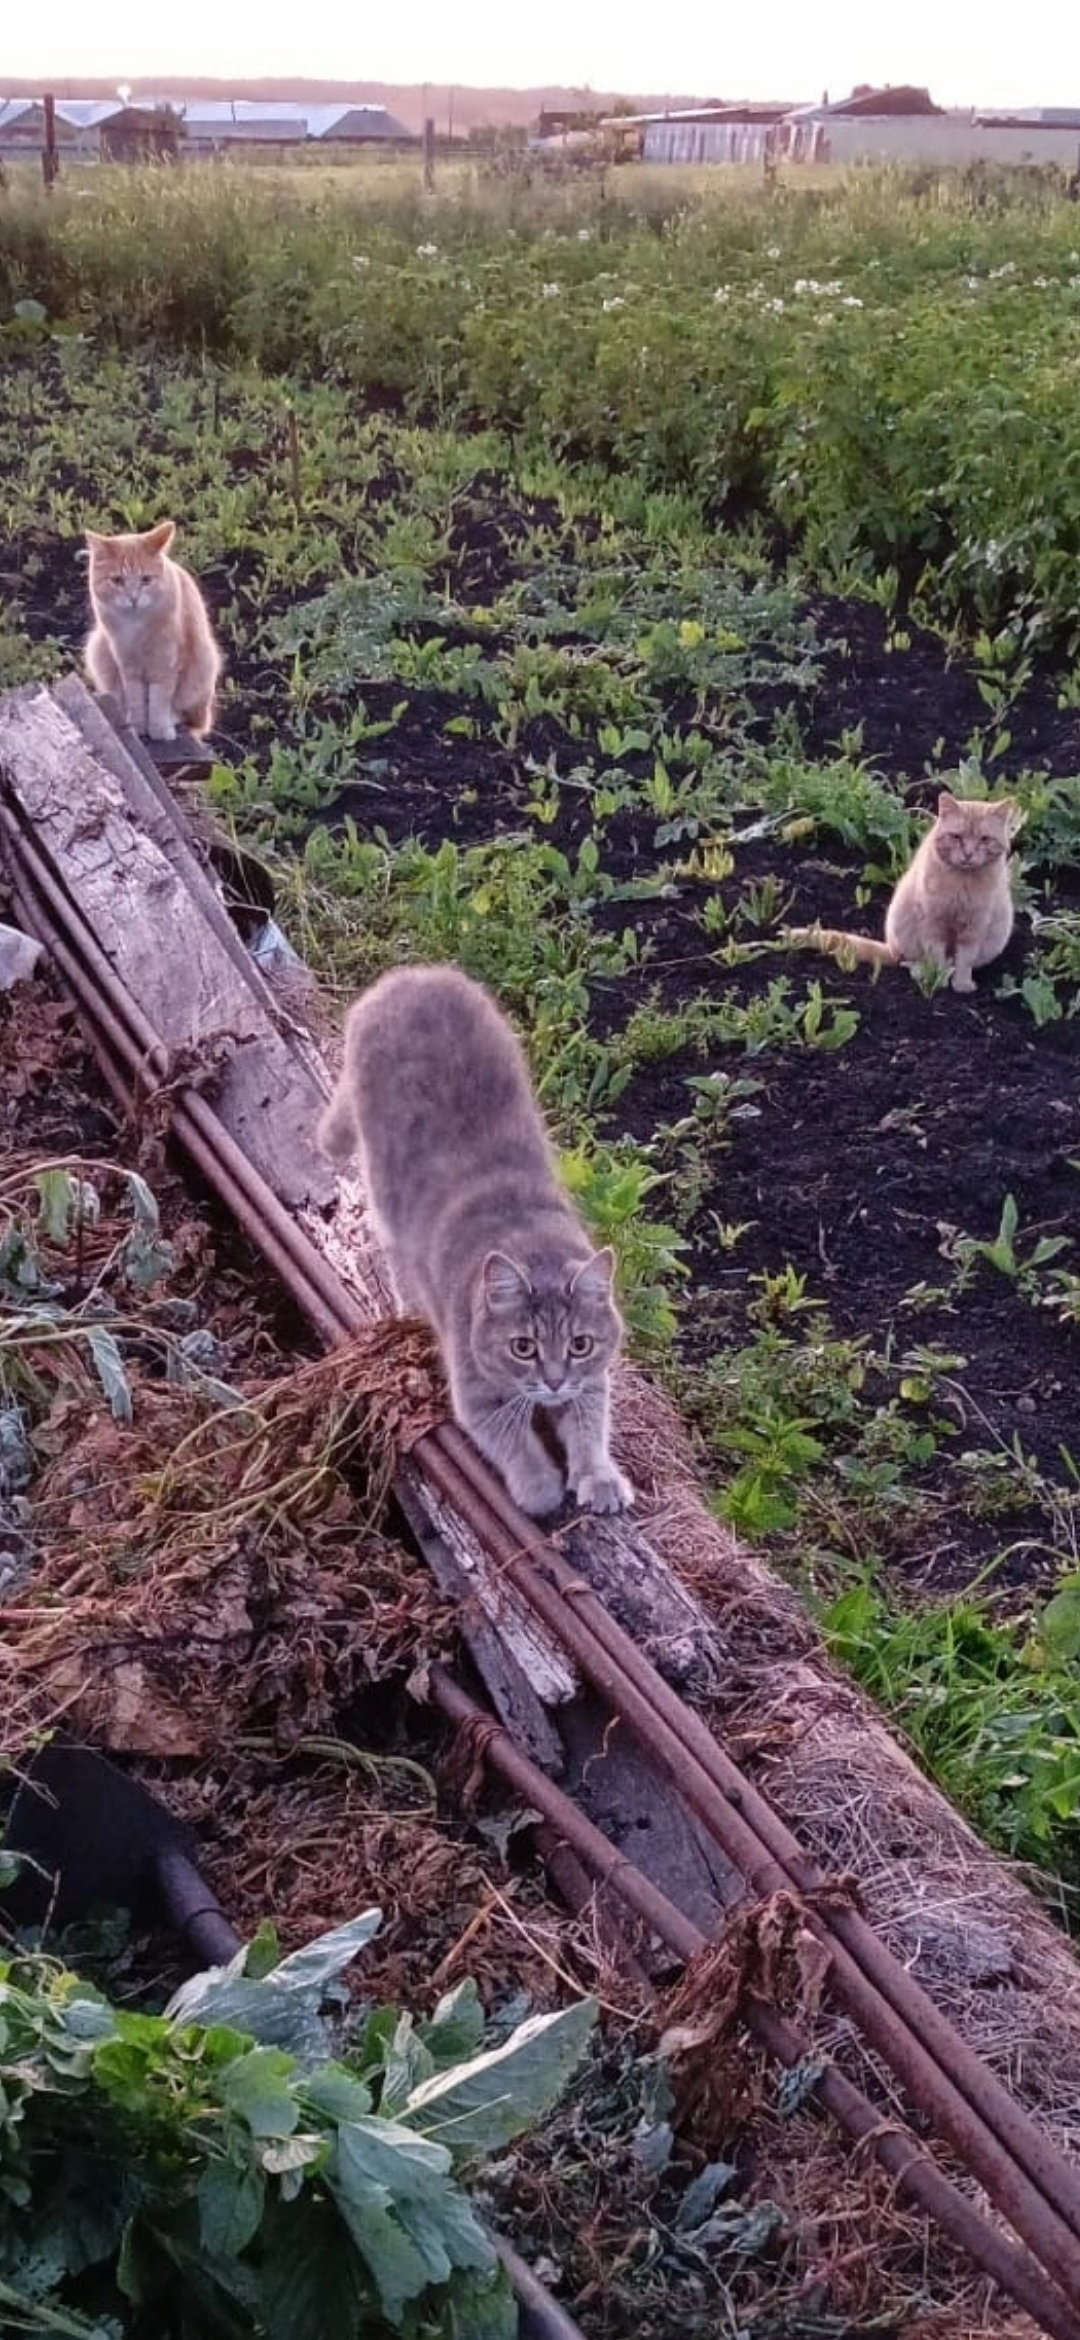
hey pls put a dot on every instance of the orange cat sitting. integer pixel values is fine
(152, 646)
(953, 906)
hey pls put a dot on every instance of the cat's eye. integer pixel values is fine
(581, 1344)
(521, 1346)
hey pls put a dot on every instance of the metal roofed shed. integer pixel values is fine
(141, 134)
(344, 125)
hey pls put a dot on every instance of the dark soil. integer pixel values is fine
(917, 706)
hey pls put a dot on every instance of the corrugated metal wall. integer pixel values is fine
(729, 142)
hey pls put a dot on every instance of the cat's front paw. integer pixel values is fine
(605, 1490)
(962, 981)
(162, 728)
(537, 1488)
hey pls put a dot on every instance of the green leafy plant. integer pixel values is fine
(772, 1019)
(1002, 1253)
(218, 2168)
(994, 1714)
(611, 1185)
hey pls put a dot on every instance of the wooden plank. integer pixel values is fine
(184, 754)
(627, 1796)
(170, 940)
(167, 756)
(222, 876)
(645, 1597)
(178, 832)
(492, 1641)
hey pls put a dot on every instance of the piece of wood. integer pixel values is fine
(159, 921)
(491, 1641)
(182, 755)
(178, 831)
(627, 1797)
(645, 1597)
(172, 756)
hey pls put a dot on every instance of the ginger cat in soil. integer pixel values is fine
(953, 907)
(481, 1237)
(152, 645)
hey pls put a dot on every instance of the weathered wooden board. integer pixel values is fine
(631, 1801)
(156, 918)
(184, 754)
(125, 755)
(492, 1640)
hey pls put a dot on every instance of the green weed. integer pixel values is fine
(993, 1712)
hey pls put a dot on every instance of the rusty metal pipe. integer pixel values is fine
(578, 1890)
(124, 1041)
(541, 2316)
(199, 1126)
(104, 1027)
(898, 2150)
(601, 1858)
(1024, 2173)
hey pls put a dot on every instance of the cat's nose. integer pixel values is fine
(554, 1376)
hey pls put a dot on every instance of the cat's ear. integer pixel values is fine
(947, 803)
(505, 1283)
(594, 1280)
(160, 538)
(94, 542)
(1008, 814)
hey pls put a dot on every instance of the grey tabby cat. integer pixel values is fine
(481, 1239)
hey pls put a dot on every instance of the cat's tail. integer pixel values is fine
(852, 949)
(337, 1131)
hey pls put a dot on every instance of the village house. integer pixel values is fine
(900, 125)
(171, 126)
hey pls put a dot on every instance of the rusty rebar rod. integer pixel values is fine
(1024, 2173)
(132, 1040)
(541, 2317)
(894, 2145)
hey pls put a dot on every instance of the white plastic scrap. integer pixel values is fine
(19, 955)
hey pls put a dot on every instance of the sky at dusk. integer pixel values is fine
(995, 56)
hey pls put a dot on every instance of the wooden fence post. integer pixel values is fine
(50, 157)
